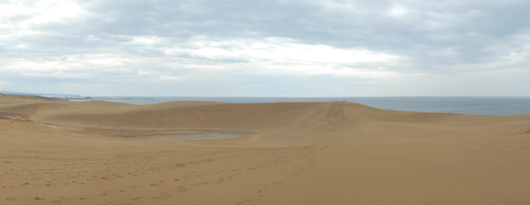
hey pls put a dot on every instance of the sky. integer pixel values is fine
(265, 48)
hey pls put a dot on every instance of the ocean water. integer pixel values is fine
(464, 105)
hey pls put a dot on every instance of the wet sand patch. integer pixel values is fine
(52, 126)
(200, 135)
(155, 134)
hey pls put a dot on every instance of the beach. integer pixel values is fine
(97, 152)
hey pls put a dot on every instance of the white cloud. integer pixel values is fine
(41, 11)
(55, 10)
(69, 66)
(282, 55)
(8, 10)
(169, 78)
(146, 40)
(338, 6)
(190, 60)
(19, 19)
(398, 10)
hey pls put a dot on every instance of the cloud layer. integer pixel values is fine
(266, 48)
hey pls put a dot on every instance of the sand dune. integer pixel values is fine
(61, 152)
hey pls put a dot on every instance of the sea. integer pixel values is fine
(463, 105)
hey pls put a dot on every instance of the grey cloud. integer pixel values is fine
(433, 37)
(428, 25)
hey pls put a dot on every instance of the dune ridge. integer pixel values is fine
(301, 153)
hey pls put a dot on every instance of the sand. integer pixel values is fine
(301, 153)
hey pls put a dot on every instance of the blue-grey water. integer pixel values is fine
(464, 105)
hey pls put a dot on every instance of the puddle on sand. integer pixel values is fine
(204, 135)
(54, 126)
(177, 134)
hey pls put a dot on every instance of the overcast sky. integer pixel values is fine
(266, 48)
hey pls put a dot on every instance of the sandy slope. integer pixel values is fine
(302, 153)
